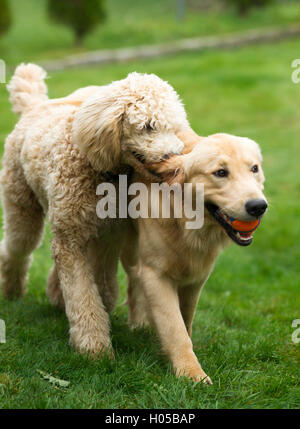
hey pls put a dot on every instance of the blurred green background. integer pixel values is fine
(243, 326)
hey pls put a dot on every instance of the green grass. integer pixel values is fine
(242, 331)
(129, 23)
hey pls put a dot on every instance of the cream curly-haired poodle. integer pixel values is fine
(53, 161)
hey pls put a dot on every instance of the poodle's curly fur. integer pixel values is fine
(53, 161)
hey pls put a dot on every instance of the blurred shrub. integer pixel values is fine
(81, 15)
(202, 5)
(5, 16)
(243, 6)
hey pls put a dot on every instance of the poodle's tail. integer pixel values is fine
(27, 87)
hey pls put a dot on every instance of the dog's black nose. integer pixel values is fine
(256, 208)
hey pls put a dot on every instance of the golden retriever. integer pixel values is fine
(167, 264)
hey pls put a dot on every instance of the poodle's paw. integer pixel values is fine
(12, 278)
(92, 344)
(12, 291)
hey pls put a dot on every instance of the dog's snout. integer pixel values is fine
(256, 208)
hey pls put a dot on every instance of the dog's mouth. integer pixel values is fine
(139, 157)
(240, 237)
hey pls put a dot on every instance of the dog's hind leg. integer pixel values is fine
(104, 257)
(23, 228)
(188, 299)
(137, 303)
(105, 267)
(136, 300)
(54, 291)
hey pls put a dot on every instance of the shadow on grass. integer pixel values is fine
(37, 331)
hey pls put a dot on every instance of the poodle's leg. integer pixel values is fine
(23, 228)
(105, 268)
(104, 258)
(54, 291)
(103, 255)
(89, 321)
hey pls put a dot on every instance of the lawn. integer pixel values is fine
(242, 330)
(128, 23)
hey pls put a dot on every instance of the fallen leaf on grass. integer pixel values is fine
(53, 380)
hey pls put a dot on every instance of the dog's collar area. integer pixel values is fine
(242, 238)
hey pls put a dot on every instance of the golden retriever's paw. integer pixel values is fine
(203, 378)
(138, 319)
(195, 374)
(139, 324)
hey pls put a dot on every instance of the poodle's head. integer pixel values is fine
(138, 115)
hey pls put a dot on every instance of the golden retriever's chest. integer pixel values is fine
(195, 260)
(194, 266)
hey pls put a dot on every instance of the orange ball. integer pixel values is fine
(240, 225)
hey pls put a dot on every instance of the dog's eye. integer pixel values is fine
(254, 169)
(221, 173)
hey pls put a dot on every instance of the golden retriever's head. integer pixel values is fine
(231, 171)
(139, 114)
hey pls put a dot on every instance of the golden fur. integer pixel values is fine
(167, 264)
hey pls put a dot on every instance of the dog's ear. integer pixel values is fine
(97, 130)
(170, 170)
(189, 138)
